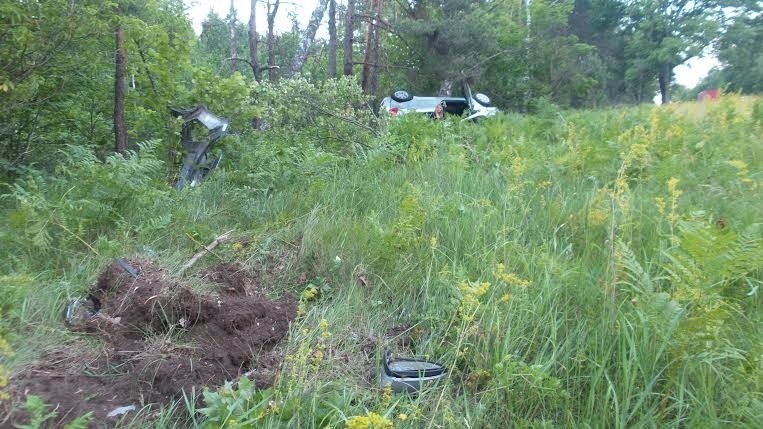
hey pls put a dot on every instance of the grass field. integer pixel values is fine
(571, 269)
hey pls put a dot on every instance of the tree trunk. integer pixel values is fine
(120, 133)
(150, 76)
(307, 38)
(368, 58)
(253, 43)
(376, 49)
(332, 39)
(446, 88)
(664, 78)
(232, 37)
(272, 10)
(349, 27)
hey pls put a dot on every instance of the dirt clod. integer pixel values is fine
(235, 277)
(161, 339)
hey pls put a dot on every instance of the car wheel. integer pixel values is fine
(482, 99)
(401, 96)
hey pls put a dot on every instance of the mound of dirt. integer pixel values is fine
(235, 277)
(161, 339)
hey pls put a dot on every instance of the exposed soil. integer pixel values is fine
(401, 335)
(236, 278)
(161, 339)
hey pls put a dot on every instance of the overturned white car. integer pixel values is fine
(471, 106)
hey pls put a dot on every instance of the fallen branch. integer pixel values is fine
(338, 116)
(207, 249)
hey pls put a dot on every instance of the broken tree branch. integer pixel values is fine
(207, 249)
(261, 68)
(340, 117)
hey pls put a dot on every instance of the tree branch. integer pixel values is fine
(207, 249)
(262, 68)
(386, 65)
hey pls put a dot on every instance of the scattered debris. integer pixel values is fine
(149, 251)
(121, 411)
(83, 309)
(129, 268)
(361, 273)
(363, 280)
(80, 310)
(408, 375)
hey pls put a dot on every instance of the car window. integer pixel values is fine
(456, 107)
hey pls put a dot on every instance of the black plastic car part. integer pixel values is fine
(415, 367)
(409, 375)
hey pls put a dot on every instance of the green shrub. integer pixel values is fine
(86, 199)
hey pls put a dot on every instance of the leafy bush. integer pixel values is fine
(239, 406)
(86, 199)
(39, 416)
(308, 130)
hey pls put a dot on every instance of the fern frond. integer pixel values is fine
(637, 277)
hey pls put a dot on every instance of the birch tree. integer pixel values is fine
(307, 38)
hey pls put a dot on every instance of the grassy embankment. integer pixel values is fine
(586, 269)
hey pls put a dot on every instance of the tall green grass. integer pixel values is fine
(573, 269)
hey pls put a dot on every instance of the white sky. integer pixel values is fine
(198, 10)
(691, 72)
(688, 74)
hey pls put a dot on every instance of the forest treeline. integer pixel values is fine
(101, 74)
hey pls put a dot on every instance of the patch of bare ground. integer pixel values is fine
(161, 339)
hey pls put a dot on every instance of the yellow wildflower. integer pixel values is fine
(470, 299)
(444, 272)
(387, 394)
(675, 193)
(510, 279)
(660, 202)
(742, 172)
(369, 421)
(597, 216)
(309, 293)
(517, 166)
(673, 188)
(317, 357)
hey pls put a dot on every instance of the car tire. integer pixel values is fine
(401, 96)
(482, 99)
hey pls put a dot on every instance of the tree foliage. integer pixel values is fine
(57, 59)
(740, 50)
(57, 70)
(662, 34)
